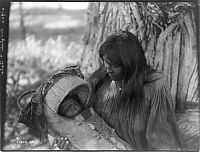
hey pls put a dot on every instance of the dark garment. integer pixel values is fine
(153, 126)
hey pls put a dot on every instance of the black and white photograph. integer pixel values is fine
(100, 76)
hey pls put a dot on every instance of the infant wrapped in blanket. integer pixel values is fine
(60, 107)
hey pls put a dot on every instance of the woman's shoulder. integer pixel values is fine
(155, 76)
(155, 81)
(156, 87)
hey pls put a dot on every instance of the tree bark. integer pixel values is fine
(23, 29)
(168, 38)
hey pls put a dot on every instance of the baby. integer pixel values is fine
(71, 106)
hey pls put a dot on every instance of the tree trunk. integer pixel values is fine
(23, 29)
(168, 38)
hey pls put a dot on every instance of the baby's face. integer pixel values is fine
(69, 108)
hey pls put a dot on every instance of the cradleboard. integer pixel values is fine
(82, 135)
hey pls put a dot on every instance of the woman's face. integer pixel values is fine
(115, 72)
(69, 108)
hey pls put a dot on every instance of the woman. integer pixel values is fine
(132, 97)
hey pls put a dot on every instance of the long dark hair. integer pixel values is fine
(124, 49)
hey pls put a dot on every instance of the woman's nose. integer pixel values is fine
(109, 69)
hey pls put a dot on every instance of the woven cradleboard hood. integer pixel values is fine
(50, 94)
(68, 84)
